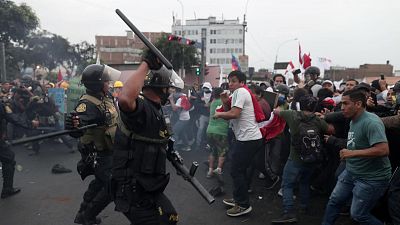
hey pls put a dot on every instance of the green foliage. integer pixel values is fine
(16, 22)
(172, 50)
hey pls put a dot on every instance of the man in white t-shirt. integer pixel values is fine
(179, 128)
(240, 112)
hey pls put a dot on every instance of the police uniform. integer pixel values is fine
(139, 162)
(139, 173)
(7, 157)
(95, 144)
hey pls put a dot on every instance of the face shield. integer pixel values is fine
(174, 79)
(110, 74)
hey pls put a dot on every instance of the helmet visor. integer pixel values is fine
(110, 74)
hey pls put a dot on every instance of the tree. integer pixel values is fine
(172, 50)
(51, 50)
(16, 22)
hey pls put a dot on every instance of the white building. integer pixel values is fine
(223, 38)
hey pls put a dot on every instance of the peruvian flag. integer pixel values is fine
(290, 67)
(59, 76)
(306, 61)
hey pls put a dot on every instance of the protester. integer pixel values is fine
(368, 169)
(241, 110)
(217, 132)
(296, 166)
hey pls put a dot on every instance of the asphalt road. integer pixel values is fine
(53, 199)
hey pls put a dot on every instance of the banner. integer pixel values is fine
(58, 96)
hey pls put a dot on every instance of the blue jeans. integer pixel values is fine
(179, 130)
(365, 194)
(201, 132)
(291, 172)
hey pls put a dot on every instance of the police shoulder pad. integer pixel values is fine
(81, 108)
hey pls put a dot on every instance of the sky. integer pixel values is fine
(348, 32)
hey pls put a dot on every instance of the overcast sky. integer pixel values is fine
(349, 32)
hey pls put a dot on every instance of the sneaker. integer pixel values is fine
(238, 210)
(229, 202)
(217, 171)
(286, 218)
(271, 185)
(209, 174)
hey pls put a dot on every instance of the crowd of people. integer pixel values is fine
(338, 141)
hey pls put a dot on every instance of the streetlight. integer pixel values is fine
(277, 51)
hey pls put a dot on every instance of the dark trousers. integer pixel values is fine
(153, 210)
(242, 155)
(96, 197)
(7, 159)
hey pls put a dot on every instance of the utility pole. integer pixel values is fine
(203, 50)
(2, 62)
(244, 32)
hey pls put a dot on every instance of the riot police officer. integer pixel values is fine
(139, 173)
(95, 144)
(312, 80)
(7, 157)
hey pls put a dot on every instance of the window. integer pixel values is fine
(240, 31)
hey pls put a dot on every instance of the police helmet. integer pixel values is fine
(312, 70)
(94, 76)
(283, 89)
(163, 78)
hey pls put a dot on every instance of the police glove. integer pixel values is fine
(152, 61)
(72, 121)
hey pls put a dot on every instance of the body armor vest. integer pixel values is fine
(142, 150)
(103, 135)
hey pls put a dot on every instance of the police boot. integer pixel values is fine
(8, 178)
(93, 209)
(79, 216)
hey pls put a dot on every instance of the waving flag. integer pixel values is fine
(235, 64)
(306, 61)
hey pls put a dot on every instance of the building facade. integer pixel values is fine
(224, 38)
(364, 71)
(123, 49)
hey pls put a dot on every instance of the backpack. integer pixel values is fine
(185, 103)
(308, 141)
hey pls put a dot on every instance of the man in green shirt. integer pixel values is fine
(368, 169)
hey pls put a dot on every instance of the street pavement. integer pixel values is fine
(53, 199)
